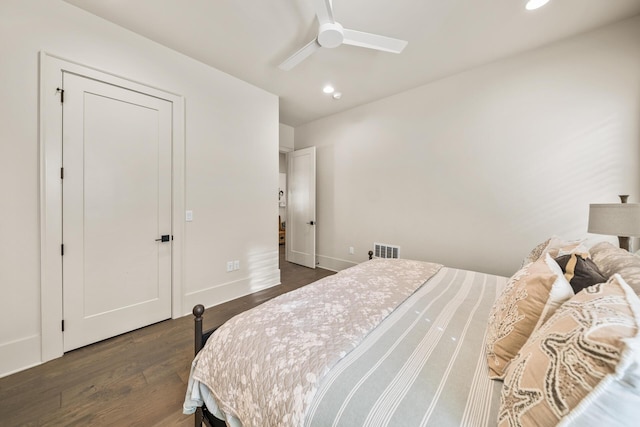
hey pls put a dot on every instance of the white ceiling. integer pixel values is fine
(250, 38)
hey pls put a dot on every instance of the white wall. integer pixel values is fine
(286, 138)
(231, 134)
(474, 170)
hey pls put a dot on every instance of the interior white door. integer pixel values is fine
(301, 212)
(116, 203)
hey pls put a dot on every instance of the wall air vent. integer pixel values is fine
(382, 250)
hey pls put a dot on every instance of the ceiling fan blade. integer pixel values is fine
(373, 41)
(300, 55)
(324, 11)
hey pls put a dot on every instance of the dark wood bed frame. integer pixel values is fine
(202, 414)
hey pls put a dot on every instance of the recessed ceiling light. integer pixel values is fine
(535, 4)
(337, 95)
(328, 89)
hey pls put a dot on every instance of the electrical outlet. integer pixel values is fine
(351, 250)
(236, 265)
(229, 266)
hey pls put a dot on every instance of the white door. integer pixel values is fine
(301, 212)
(116, 203)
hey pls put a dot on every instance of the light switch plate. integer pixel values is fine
(189, 216)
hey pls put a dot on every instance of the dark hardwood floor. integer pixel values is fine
(135, 379)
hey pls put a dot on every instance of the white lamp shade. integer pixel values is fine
(615, 219)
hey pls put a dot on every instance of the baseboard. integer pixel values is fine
(334, 264)
(18, 355)
(225, 292)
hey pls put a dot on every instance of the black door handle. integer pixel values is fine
(164, 238)
(311, 223)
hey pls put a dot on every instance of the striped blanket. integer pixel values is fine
(423, 366)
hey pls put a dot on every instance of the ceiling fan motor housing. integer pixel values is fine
(330, 34)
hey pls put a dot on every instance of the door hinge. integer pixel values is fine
(61, 173)
(62, 249)
(61, 94)
(62, 325)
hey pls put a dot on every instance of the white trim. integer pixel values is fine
(225, 292)
(50, 139)
(18, 355)
(334, 264)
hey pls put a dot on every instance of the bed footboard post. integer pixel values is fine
(198, 311)
(198, 418)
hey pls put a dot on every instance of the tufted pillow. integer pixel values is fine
(529, 298)
(582, 367)
(580, 271)
(611, 259)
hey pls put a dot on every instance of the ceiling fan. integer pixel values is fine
(331, 34)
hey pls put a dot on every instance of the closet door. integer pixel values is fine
(116, 208)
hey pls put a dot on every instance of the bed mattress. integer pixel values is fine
(423, 365)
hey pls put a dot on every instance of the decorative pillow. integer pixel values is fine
(611, 259)
(536, 252)
(580, 271)
(555, 246)
(582, 367)
(558, 246)
(529, 298)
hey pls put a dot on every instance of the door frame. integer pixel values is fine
(50, 144)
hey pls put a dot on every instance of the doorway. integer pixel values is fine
(301, 209)
(52, 91)
(282, 203)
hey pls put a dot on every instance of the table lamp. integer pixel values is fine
(616, 219)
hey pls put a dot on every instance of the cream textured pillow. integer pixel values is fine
(558, 246)
(555, 246)
(611, 259)
(536, 252)
(582, 367)
(529, 298)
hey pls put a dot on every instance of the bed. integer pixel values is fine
(391, 343)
